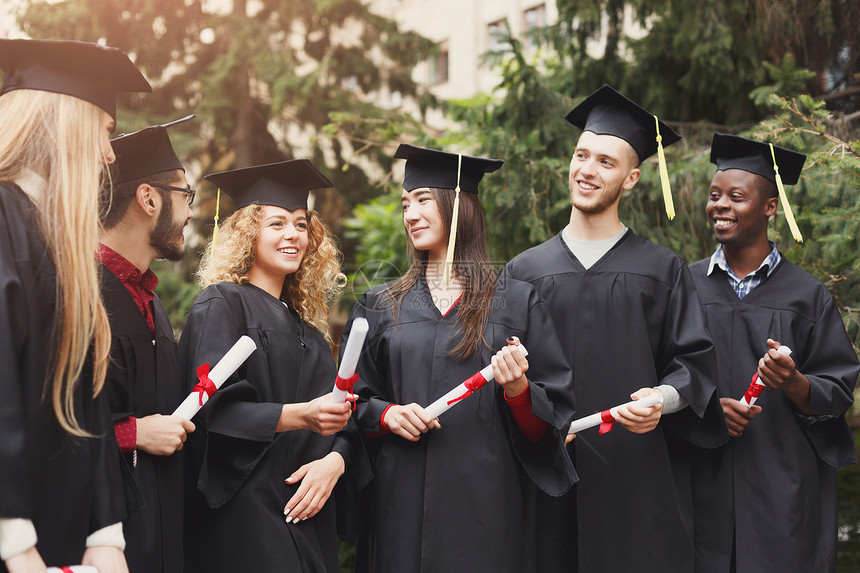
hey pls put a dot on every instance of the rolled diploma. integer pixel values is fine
(223, 370)
(464, 389)
(73, 569)
(785, 351)
(595, 420)
(350, 358)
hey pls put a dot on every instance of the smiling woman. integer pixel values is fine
(438, 481)
(281, 244)
(273, 445)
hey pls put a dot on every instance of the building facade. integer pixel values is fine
(464, 30)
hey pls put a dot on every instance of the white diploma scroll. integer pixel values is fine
(465, 389)
(343, 382)
(218, 375)
(604, 417)
(73, 569)
(756, 386)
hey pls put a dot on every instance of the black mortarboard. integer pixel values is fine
(285, 184)
(607, 112)
(86, 71)
(146, 152)
(733, 152)
(439, 169)
(776, 164)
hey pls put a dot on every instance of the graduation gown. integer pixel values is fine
(631, 320)
(456, 500)
(773, 490)
(235, 519)
(68, 486)
(144, 378)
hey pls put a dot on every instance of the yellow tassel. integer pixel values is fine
(217, 210)
(664, 174)
(783, 198)
(452, 237)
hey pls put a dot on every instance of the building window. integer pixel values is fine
(496, 33)
(534, 20)
(438, 66)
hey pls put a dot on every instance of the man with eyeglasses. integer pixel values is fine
(144, 209)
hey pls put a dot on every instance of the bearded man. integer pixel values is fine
(143, 215)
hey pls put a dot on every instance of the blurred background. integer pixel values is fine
(342, 82)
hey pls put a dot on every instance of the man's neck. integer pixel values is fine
(129, 244)
(745, 259)
(594, 227)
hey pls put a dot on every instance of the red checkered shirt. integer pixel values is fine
(139, 286)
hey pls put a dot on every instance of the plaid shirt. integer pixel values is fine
(744, 286)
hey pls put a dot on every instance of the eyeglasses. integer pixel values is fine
(189, 192)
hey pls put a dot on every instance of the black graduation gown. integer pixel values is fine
(68, 486)
(144, 378)
(631, 320)
(774, 489)
(457, 500)
(235, 519)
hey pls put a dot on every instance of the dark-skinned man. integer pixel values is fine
(766, 501)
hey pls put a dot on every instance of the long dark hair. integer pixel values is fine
(472, 268)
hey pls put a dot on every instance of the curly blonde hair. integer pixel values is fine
(309, 290)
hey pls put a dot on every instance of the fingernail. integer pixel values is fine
(289, 519)
(510, 339)
(304, 518)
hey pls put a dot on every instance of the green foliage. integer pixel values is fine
(380, 256)
(346, 556)
(176, 292)
(263, 77)
(690, 60)
(789, 80)
(526, 201)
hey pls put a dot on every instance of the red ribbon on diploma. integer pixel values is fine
(474, 383)
(205, 385)
(755, 389)
(607, 422)
(66, 569)
(346, 384)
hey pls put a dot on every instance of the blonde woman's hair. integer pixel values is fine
(309, 290)
(57, 137)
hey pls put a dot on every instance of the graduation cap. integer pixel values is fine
(443, 170)
(776, 164)
(84, 70)
(608, 112)
(146, 152)
(285, 184)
